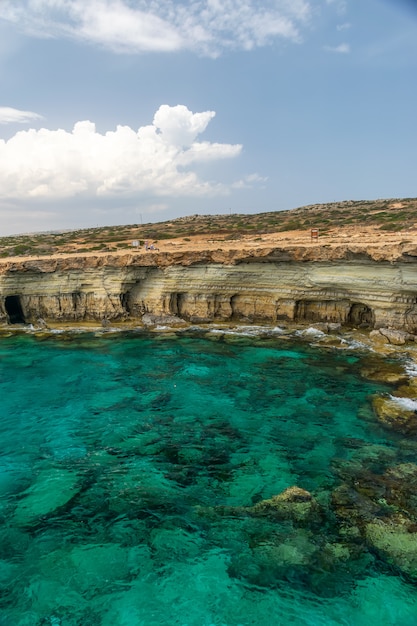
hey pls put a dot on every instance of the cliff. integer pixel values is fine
(363, 284)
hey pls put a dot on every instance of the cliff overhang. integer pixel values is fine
(370, 286)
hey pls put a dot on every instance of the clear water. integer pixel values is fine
(128, 465)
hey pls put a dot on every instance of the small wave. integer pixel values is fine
(311, 331)
(62, 331)
(405, 403)
(358, 345)
(247, 331)
(411, 369)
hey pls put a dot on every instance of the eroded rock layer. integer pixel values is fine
(348, 285)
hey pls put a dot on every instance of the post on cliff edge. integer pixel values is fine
(314, 234)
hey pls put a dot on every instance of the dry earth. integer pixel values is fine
(367, 236)
(380, 223)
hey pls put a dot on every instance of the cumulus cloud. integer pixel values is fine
(156, 159)
(124, 26)
(8, 115)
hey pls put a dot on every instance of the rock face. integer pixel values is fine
(347, 285)
(392, 414)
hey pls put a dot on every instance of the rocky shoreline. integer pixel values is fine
(356, 285)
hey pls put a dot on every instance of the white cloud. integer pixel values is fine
(205, 26)
(121, 28)
(8, 115)
(343, 48)
(341, 5)
(157, 159)
(249, 181)
(344, 26)
(182, 128)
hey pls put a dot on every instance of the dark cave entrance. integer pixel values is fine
(125, 301)
(361, 315)
(14, 310)
(176, 301)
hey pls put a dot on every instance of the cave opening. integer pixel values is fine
(125, 301)
(361, 315)
(14, 310)
(176, 303)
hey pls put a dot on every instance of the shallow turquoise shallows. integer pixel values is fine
(131, 470)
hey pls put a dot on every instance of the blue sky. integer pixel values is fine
(121, 111)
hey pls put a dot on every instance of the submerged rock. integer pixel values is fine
(395, 541)
(384, 372)
(407, 390)
(353, 508)
(278, 557)
(294, 551)
(51, 490)
(332, 554)
(93, 567)
(294, 503)
(404, 471)
(380, 511)
(174, 544)
(139, 485)
(401, 481)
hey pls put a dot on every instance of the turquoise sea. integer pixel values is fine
(133, 466)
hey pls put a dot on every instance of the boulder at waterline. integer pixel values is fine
(396, 415)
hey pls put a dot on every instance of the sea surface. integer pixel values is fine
(131, 467)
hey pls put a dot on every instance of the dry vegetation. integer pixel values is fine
(392, 215)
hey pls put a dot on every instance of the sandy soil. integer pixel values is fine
(367, 236)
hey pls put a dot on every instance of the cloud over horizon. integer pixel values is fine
(206, 27)
(156, 159)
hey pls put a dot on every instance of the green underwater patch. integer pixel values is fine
(199, 479)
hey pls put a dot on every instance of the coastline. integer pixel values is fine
(318, 334)
(346, 263)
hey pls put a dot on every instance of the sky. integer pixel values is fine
(137, 111)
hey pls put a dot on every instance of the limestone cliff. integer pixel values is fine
(372, 286)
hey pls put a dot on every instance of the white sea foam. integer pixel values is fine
(358, 345)
(405, 403)
(63, 331)
(311, 331)
(248, 331)
(411, 369)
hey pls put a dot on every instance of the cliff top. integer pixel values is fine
(382, 229)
